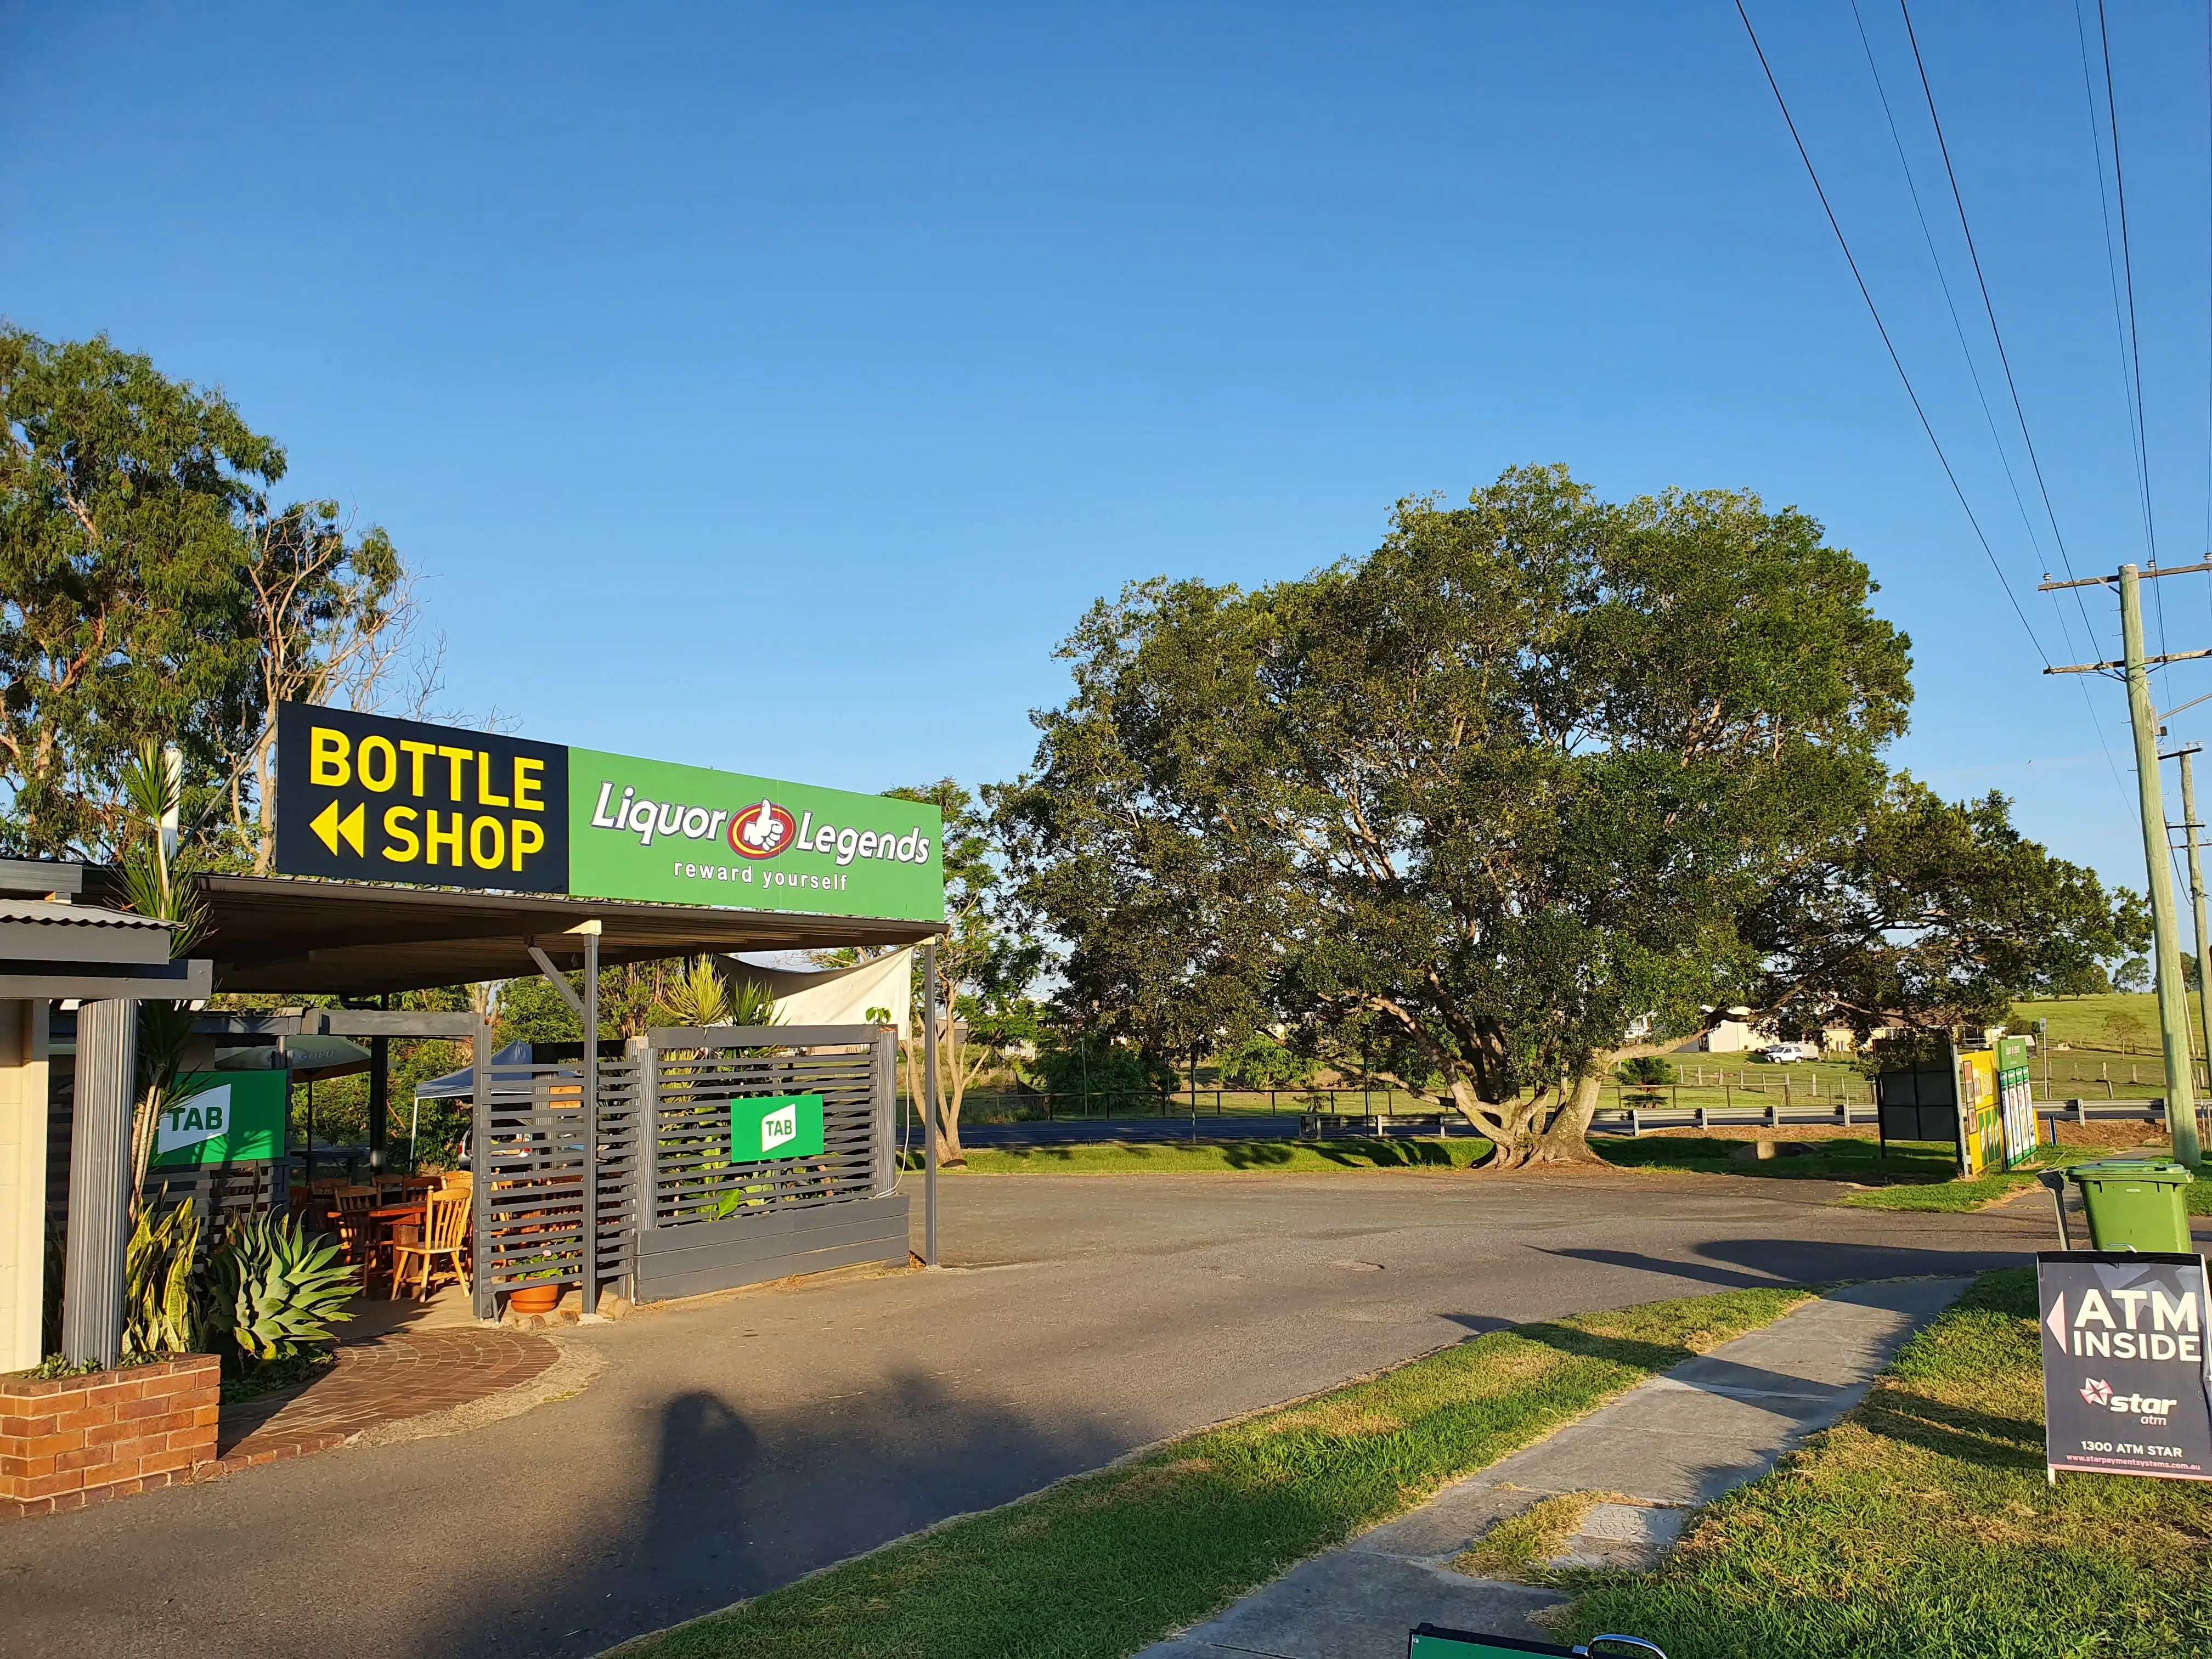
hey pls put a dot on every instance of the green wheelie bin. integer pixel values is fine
(2136, 1203)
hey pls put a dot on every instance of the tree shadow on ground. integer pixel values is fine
(744, 1499)
(1750, 1264)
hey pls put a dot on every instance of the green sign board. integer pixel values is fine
(361, 797)
(221, 1117)
(684, 835)
(764, 1126)
(1428, 1642)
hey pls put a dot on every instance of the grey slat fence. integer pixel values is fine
(674, 1216)
(710, 1224)
(537, 1186)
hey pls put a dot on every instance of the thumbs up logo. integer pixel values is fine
(761, 832)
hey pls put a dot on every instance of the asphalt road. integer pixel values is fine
(733, 1443)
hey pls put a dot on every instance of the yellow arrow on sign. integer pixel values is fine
(330, 826)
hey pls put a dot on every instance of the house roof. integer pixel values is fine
(47, 932)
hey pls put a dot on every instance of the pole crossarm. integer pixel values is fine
(2148, 662)
(2144, 575)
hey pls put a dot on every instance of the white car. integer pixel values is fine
(1784, 1053)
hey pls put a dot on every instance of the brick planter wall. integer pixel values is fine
(75, 1440)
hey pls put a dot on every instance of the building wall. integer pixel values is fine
(22, 1181)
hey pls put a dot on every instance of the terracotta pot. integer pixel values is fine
(534, 1299)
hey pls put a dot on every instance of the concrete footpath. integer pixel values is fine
(1664, 1448)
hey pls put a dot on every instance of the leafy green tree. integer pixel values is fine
(1261, 1062)
(1478, 802)
(1087, 1073)
(1646, 1071)
(149, 592)
(984, 962)
(123, 621)
(1932, 915)
(2124, 1031)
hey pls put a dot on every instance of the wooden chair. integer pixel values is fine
(349, 1208)
(443, 1245)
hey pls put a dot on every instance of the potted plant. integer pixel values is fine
(536, 1286)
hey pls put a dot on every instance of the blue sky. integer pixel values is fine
(771, 389)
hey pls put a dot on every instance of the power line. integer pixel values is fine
(1988, 310)
(2130, 358)
(1874, 311)
(2134, 332)
(1989, 307)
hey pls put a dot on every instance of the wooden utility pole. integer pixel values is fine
(2157, 853)
(2190, 828)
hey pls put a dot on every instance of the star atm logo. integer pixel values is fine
(2097, 1392)
(761, 832)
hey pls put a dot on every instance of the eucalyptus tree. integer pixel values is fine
(151, 592)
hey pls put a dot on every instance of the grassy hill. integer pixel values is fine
(2079, 1022)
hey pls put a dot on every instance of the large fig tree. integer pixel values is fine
(1495, 803)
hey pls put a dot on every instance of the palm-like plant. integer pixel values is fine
(276, 1290)
(163, 1308)
(157, 882)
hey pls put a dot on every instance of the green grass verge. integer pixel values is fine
(1955, 1195)
(1843, 1159)
(1215, 1158)
(1096, 1566)
(1922, 1528)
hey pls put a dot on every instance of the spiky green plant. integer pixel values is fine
(276, 1290)
(161, 1301)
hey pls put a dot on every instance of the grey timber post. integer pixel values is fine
(883, 1083)
(99, 1183)
(929, 1104)
(647, 1059)
(590, 1290)
(480, 1292)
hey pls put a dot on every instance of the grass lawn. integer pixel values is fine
(1096, 1566)
(1839, 1158)
(2080, 1021)
(1216, 1158)
(1922, 1526)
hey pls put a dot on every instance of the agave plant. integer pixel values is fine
(276, 1289)
(163, 1310)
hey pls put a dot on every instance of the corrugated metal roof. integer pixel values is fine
(73, 916)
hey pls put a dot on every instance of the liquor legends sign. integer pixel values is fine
(648, 829)
(361, 797)
(2127, 1386)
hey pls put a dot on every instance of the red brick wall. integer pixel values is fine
(77, 1439)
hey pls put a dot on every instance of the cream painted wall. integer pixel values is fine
(23, 1180)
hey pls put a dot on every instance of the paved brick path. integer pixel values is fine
(399, 1375)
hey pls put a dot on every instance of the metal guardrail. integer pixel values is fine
(1638, 1119)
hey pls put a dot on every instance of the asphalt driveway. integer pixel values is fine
(731, 1444)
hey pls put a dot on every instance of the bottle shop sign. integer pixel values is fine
(361, 797)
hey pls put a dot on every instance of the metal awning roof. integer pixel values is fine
(272, 933)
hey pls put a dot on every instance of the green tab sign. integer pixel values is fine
(221, 1117)
(764, 1126)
